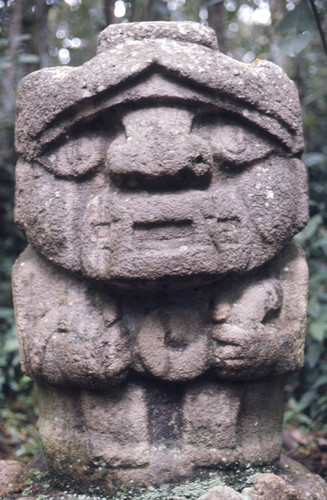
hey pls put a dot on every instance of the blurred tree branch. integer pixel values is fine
(317, 19)
(42, 10)
(109, 11)
(7, 88)
(217, 21)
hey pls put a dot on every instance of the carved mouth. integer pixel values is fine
(224, 231)
(160, 234)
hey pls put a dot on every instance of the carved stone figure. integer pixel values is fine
(160, 303)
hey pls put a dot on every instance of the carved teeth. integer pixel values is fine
(151, 234)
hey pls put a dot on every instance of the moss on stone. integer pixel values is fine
(187, 490)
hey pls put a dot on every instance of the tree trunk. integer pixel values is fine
(277, 12)
(148, 10)
(217, 21)
(109, 11)
(8, 84)
(42, 10)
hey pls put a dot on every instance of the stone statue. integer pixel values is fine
(160, 302)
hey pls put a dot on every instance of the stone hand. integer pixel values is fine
(247, 333)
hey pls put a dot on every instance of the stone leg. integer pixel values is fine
(135, 433)
(236, 424)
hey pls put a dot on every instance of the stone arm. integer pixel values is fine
(72, 333)
(69, 333)
(259, 326)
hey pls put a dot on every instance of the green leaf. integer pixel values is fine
(313, 355)
(209, 3)
(296, 408)
(318, 278)
(11, 345)
(24, 383)
(314, 308)
(28, 58)
(293, 44)
(298, 20)
(297, 28)
(322, 380)
(311, 228)
(300, 418)
(305, 401)
(23, 37)
(6, 313)
(317, 330)
(4, 64)
(313, 159)
(321, 243)
(4, 42)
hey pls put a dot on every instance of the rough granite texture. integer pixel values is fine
(160, 302)
(12, 477)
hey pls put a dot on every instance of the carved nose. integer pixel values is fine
(159, 152)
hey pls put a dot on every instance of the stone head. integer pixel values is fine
(160, 160)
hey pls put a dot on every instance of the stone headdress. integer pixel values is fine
(186, 56)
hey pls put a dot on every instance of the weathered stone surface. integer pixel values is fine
(229, 116)
(264, 92)
(289, 487)
(12, 477)
(229, 329)
(221, 493)
(160, 302)
(269, 486)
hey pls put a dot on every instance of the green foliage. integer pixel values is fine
(12, 242)
(308, 401)
(18, 434)
(11, 378)
(37, 480)
(9, 359)
(311, 383)
(297, 29)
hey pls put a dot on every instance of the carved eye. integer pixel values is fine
(75, 156)
(235, 145)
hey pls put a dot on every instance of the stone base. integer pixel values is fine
(192, 489)
(285, 487)
(149, 434)
(12, 477)
(261, 486)
(291, 482)
(270, 486)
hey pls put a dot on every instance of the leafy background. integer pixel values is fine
(290, 33)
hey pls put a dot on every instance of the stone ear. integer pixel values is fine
(301, 196)
(22, 172)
